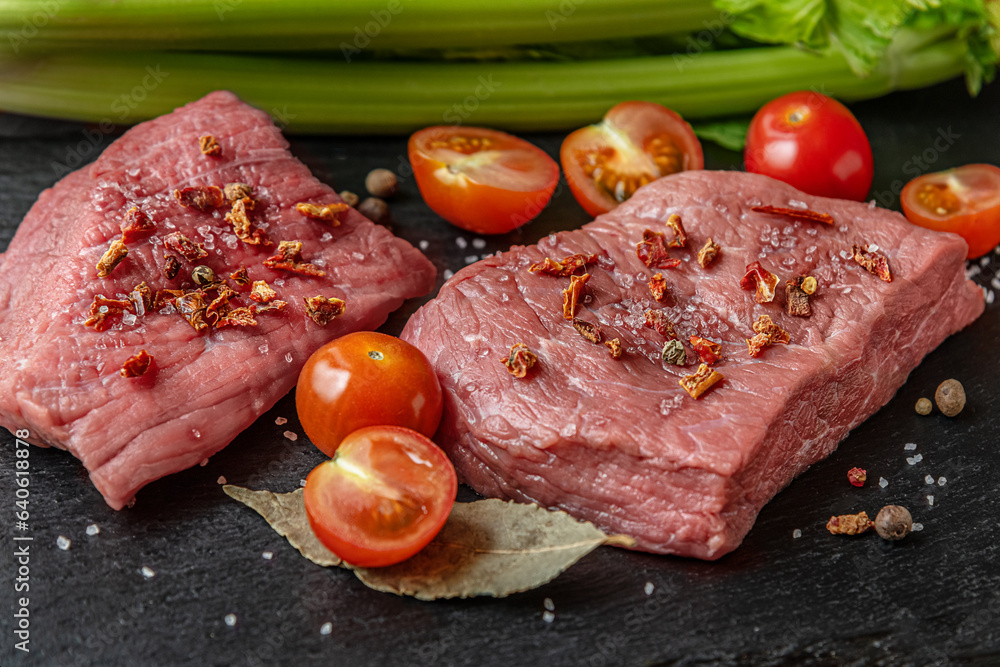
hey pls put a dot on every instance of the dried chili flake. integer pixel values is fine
(796, 299)
(203, 198)
(323, 310)
(680, 237)
(209, 146)
(658, 287)
(615, 347)
(262, 292)
(849, 524)
(142, 298)
(673, 353)
(520, 360)
(873, 262)
(111, 258)
(240, 276)
(701, 381)
(137, 365)
(760, 279)
(652, 250)
(191, 306)
(857, 476)
(572, 294)
(289, 258)
(267, 307)
(708, 253)
(234, 192)
(219, 307)
(766, 333)
(171, 265)
(708, 351)
(242, 317)
(101, 308)
(588, 330)
(166, 297)
(136, 224)
(657, 320)
(184, 246)
(244, 229)
(564, 267)
(326, 212)
(795, 213)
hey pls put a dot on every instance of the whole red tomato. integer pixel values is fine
(366, 379)
(813, 143)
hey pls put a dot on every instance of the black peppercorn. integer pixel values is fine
(202, 275)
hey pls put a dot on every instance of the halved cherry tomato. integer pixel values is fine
(813, 143)
(382, 497)
(366, 379)
(965, 200)
(481, 180)
(635, 144)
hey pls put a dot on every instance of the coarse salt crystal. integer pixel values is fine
(883, 482)
(549, 604)
(844, 254)
(914, 460)
(929, 479)
(268, 555)
(63, 542)
(327, 236)
(479, 244)
(280, 421)
(471, 259)
(795, 203)
(221, 480)
(872, 204)
(230, 619)
(279, 283)
(910, 446)
(942, 481)
(128, 319)
(930, 501)
(990, 296)
(262, 348)
(93, 529)
(302, 482)
(917, 527)
(873, 247)
(984, 261)
(103, 309)
(326, 628)
(424, 244)
(548, 616)
(461, 242)
(648, 588)
(448, 273)
(147, 572)
(291, 435)
(796, 534)
(842, 228)
(288, 357)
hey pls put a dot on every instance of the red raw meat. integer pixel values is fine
(61, 380)
(619, 442)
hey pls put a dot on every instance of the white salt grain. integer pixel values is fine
(471, 259)
(648, 588)
(942, 481)
(93, 529)
(872, 247)
(917, 527)
(280, 421)
(288, 357)
(327, 236)
(990, 296)
(479, 244)
(796, 534)
(549, 604)
(326, 628)
(424, 244)
(914, 460)
(268, 555)
(63, 542)
(795, 203)
(302, 482)
(291, 435)
(548, 617)
(461, 242)
(221, 480)
(910, 446)
(883, 482)
(262, 348)
(448, 273)
(930, 501)
(230, 619)
(148, 572)
(128, 319)
(929, 479)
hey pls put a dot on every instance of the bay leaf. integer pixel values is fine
(286, 514)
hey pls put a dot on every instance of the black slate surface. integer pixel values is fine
(933, 598)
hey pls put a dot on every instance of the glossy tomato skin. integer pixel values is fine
(813, 143)
(383, 496)
(636, 143)
(964, 200)
(481, 180)
(366, 379)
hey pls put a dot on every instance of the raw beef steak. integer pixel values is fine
(618, 441)
(61, 366)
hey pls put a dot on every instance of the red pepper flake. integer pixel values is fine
(615, 347)
(795, 213)
(760, 279)
(192, 306)
(703, 380)
(241, 317)
(234, 192)
(262, 292)
(658, 287)
(242, 226)
(849, 524)
(857, 476)
(873, 262)
(209, 146)
(520, 360)
(657, 320)
(203, 198)
(111, 258)
(652, 250)
(680, 237)
(323, 310)
(219, 307)
(767, 333)
(572, 294)
(796, 296)
(137, 365)
(588, 330)
(166, 297)
(171, 266)
(267, 307)
(325, 212)
(708, 351)
(101, 308)
(136, 224)
(142, 298)
(564, 267)
(708, 253)
(184, 246)
(289, 258)
(240, 276)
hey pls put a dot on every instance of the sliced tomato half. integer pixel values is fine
(482, 180)
(964, 200)
(635, 144)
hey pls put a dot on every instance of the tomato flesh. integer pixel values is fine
(366, 379)
(481, 180)
(965, 200)
(813, 143)
(635, 144)
(383, 496)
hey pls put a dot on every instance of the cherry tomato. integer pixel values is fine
(965, 201)
(813, 143)
(485, 181)
(366, 379)
(382, 497)
(636, 143)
